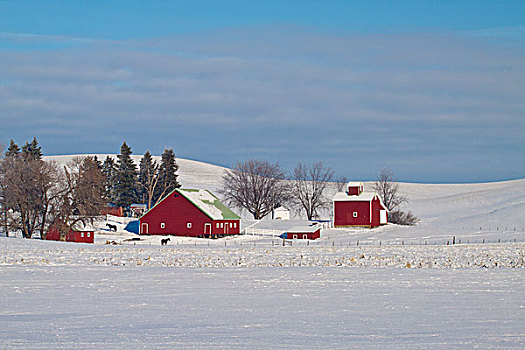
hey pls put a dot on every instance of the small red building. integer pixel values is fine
(72, 236)
(355, 207)
(193, 213)
(306, 232)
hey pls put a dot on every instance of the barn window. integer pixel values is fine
(231, 224)
(217, 225)
(188, 225)
(234, 225)
(355, 214)
(222, 225)
(82, 234)
(294, 236)
(305, 236)
(88, 234)
(162, 225)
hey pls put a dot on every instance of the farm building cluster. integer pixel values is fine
(199, 213)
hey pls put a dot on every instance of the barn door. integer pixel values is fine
(383, 217)
(144, 228)
(207, 229)
(226, 228)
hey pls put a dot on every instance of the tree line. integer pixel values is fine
(259, 187)
(36, 194)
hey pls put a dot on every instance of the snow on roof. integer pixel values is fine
(354, 184)
(281, 208)
(301, 229)
(209, 204)
(364, 196)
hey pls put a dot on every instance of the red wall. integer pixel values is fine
(343, 213)
(300, 235)
(376, 212)
(72, 236)
(176, 212)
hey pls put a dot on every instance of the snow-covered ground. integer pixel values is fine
(256, 253)
(391, 287)
(110, 307)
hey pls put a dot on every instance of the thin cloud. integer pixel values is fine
(421, 104)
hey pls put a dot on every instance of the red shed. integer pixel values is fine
(306, 232)
(72, 236)
(358, 208)
(193, 213)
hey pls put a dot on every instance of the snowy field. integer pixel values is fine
(391, 287)
(110, 307)
(254, 295)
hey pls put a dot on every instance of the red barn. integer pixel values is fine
(358, 208)
(72, 236)
(193, 213)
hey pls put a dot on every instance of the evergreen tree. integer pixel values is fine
(13, 149)
(147, 176)
(97, 162)
(126, 178)
(167, 174)
(109, 168)
(32, 150)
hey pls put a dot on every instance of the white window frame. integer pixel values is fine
(294, 236)
(217, 225)
(82, 234)
(222, 225)
(188, 225)
(88, 234)
(355, 214)
(305, 236)
(234, 225)
(162, 225)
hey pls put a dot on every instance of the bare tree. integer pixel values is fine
(257, 186)
(308, 186)
(148, 178)
(25, 183)
(81, 198)
(388, 190)
(341, 183)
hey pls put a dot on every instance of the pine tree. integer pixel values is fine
(126, 178)
(32, 150)
(97, 162)
(13, 149)
(167, 175)
(148, 178)
(109, 168)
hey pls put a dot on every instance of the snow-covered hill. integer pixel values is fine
(494, 210)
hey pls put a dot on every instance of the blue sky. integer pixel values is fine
(432, 89)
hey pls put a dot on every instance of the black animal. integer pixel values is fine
(164, 241)
(112, 227)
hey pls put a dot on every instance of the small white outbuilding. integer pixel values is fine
(281, 213)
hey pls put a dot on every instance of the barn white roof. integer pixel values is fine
(363, 197)
(301, 229)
